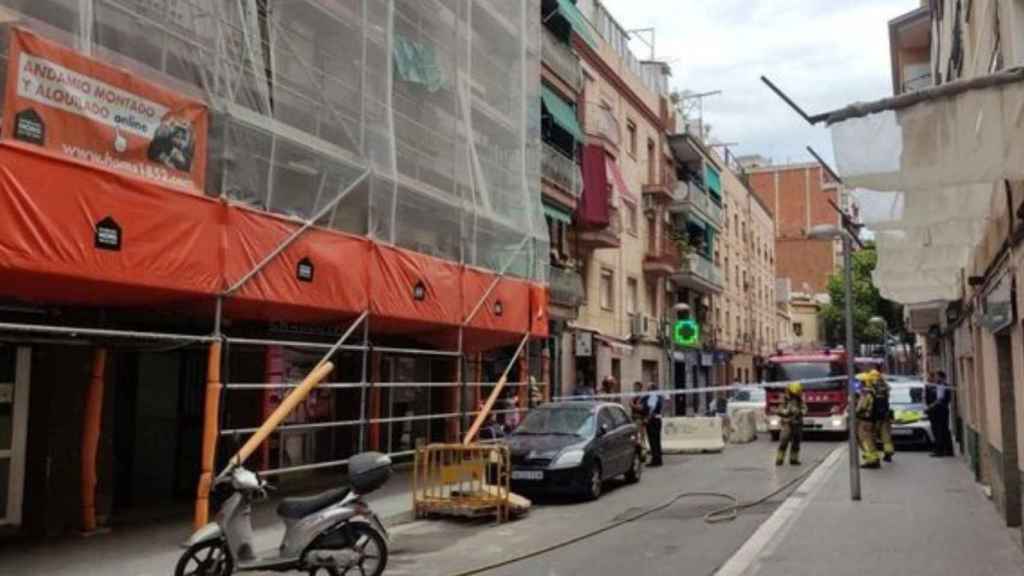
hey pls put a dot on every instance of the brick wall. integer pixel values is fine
(805, 262)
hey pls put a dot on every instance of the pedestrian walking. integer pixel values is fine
(883, 415)
(654, 403)
(938, 416)
(866, 422)
(791, 419)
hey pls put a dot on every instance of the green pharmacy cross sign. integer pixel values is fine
(686, 332)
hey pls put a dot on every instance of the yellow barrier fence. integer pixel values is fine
(461, 480)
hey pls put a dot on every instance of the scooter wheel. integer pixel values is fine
(210, 558)
(369, 548)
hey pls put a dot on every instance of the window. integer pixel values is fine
(617, 371)
(631, 220)
(726, 269)
(631, 130)
(632, 297)
(652, 163)
(798, 329)
(607, 289)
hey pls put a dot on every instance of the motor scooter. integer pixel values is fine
(333, 533)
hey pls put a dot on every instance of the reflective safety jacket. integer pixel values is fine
(792, 410)
(866, 404)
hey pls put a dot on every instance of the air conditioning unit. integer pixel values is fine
(648, 203)
(636, 327)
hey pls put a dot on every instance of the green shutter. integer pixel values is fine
(579, 24)
(562, 112)
(557, 214)
(713, 181)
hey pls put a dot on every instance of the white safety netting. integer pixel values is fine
(423, 116)
(923, 176)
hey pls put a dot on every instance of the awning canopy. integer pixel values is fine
(618, 182)
(924, 167)
(557, 214)
(575, 19)
(561, 112)
(713, 180)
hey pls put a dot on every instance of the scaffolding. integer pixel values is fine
(412, 124)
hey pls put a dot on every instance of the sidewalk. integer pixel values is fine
(919, 515)
(155, 548)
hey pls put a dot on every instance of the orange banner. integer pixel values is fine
(95, 113)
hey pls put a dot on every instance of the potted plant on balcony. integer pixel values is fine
(683, 246)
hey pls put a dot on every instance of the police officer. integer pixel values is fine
(883, 415)
(866, 422)
(791, 418)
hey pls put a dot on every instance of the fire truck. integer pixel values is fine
(826, 401)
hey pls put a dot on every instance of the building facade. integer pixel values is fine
(747, 256)
(799, 196)
(618, 227)
(977, 339)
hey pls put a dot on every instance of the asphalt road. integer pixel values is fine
(672, 541)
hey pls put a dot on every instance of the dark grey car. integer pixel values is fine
(573, 447)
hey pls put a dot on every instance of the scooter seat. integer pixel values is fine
(295, 508)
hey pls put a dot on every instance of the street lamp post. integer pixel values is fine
(830, 232)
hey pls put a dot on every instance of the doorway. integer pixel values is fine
(14, 388)
(1008, 418)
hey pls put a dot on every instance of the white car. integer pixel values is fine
(752, 398)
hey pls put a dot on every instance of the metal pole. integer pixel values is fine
(851, 417)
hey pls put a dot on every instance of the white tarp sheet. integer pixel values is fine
(923, 178)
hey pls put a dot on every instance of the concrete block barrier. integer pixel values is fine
(743, 427)
(687, 435)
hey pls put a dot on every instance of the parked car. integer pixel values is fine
(573, 448)
(750, 399)
(910, 425)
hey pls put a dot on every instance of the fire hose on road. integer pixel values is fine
(719, 515)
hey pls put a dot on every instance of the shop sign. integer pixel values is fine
(91, 112)
(584, 344)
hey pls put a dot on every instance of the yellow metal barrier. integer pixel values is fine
(461, 480)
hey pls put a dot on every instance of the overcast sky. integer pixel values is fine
(823, 53)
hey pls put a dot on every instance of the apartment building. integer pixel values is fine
(799, 195)
(620, 215)
(948, 240)
(746, 251)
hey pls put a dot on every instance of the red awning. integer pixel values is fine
(618, 182)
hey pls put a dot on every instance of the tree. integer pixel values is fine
(867, 302)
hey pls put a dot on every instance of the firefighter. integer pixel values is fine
(883, 415)
(866, 422)
(791, 418)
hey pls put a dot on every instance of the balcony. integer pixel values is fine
(603, 127)
(566, 287)
(699, 273)
(561, 171)
(608, 237)
(560, 58)
(663, 260)
(688, 198)
(661, 189)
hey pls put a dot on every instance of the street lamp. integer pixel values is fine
(831, 232)
(879, 321)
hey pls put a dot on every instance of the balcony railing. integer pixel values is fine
(609, 236)
(562, 60)
(601, 122)
(561, 170)
(688, 197)
(699, 272)
(566, 286)
(664, 259)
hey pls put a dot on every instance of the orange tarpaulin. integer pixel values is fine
(63, 224)
(72, 233)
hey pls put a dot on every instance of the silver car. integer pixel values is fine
(910, 425)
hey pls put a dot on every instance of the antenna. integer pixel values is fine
(648, 31)
(691, 106)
